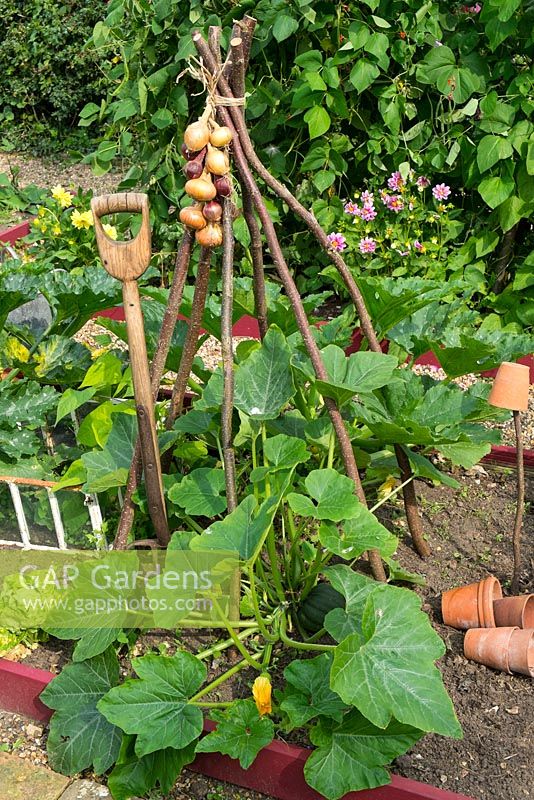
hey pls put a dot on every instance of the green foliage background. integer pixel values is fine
(46, 74)
(340, 92)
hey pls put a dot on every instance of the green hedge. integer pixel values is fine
(46, 73)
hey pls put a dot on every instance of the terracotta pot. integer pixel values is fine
(471, 606)
(489, 647)
(517, 611)
(521, 652)
(510, 387)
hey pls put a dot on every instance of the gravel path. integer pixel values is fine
(47, 173)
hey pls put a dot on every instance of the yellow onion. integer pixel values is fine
(221, 136)
(210, 236)
(197, 135)
(201, 189)
(217, 161)
(193, 217)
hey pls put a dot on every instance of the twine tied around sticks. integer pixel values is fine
(197, 70)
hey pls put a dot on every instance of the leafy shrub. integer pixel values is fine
(46, 73)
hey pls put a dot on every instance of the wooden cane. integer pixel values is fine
(126, 261)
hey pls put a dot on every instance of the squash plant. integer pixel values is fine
(362, 678)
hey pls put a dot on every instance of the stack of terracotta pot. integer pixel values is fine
(500, 631)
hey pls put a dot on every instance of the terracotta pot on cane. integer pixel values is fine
(511, 387)
(515, 611)
(471, 606)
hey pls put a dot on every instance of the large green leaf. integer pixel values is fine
(351, 755)
(388, 669)
(355, 588)
(308, 693)
(91, 641)
(242, 530)
(80, 737)
(355, 374)
(241, 733)
(76, 295)
(332, 492)
(109, 467)
(390, 300)
(492, 149)
(439, 68)
(137, 776)
(264, 381)
(354, 536)
(155, 706)
(199, 492)
(18, 284)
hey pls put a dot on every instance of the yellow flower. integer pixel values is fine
(83, 219)
(63, 197)
(56, 230)
(434, 240)
(42, 211)
(385, 489)
(442, 208)
(110, 230)
(261, 691)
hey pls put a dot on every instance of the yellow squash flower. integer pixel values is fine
(63, 197)
(261, 691)
(82, 219)
(110, 230)
(385, 489)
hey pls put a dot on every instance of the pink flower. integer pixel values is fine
(367, 213)
(395, 182)
(422, 182)
(337, 241)
(418, 246)
(395, 203)
(351, 207)
(368, 198)
(384, 196)
(367, 245)
(441, 191)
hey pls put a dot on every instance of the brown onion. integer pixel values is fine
(197, 135)
(212, 211)
(221, 136)
(210, 236)
(217, 162)
(193, 217)
(201, 189)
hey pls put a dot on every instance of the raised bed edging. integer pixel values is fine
(277, 771)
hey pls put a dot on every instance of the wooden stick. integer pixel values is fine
(168, 324)
(237, 82)
(296, 302)
(247, 26)
(227, 406)
(518, 523)
(410, 503)
(191, 340)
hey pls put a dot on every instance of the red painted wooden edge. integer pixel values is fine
(10, 235)
(277, 771)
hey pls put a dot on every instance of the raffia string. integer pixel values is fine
(197, 70)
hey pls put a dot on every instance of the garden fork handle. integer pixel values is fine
(144, 403)
(126, 260)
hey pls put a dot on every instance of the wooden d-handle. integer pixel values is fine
(125, 261)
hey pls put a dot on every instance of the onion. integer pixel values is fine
(223, 187)
(197, 135)
(201, 189)
(210, 236)
(212, 211)
(193, 217)
(217, 162)
(221, 136)
(193, 169)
